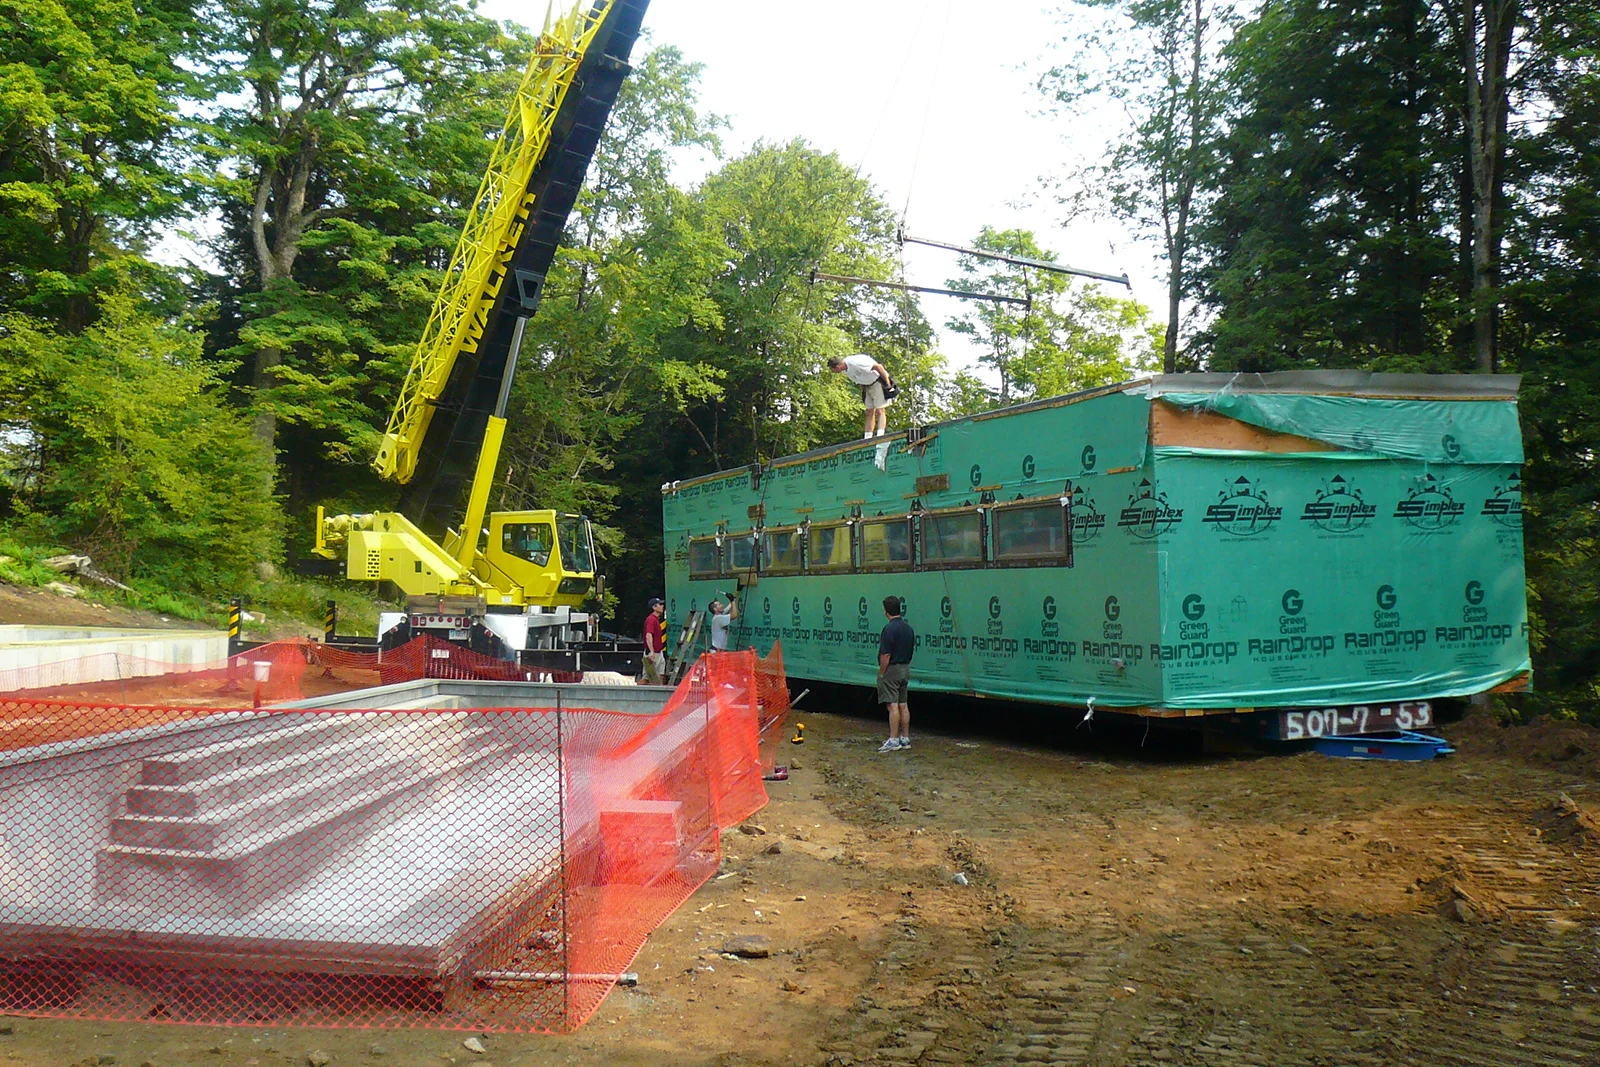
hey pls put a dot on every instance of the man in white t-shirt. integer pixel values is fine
(869, 374)
(722, 615)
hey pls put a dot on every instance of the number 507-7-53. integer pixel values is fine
(1356, 719)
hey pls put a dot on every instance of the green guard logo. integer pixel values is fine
(994, 607)
(944, 607)
(1087, 457)
(1049, 627)
(1027, 469)
(975, 475)
(1194, 609)
(1049, 607)
(861, 607)
(1292, 604)
(996, 627)
(794, 605)
(1113, 609)
(1451, 446)
(827, 605)
(1474, 611)
(1387, 598)
(766, 606)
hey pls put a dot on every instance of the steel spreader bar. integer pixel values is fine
(1021, 261)
(818, 276)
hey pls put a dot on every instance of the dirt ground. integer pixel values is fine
(1122, 906)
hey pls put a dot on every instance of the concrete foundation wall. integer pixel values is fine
(35, 656)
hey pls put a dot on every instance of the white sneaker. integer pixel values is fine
(891, 745)
(904, 742)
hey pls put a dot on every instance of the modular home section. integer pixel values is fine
(1180, 542)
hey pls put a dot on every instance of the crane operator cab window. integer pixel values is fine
(577, 550)
(531, 541)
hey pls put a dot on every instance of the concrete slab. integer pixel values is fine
(317, 837)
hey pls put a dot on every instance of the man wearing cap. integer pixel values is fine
(655, 654)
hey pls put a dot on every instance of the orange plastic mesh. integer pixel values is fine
(467, 867)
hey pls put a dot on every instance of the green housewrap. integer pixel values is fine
(1235, 541)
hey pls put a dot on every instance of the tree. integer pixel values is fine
(322, 104)
(1325, 242)
(1483, 32)
(88, 166)
(128, 451)
(1066, 337)
(1161, 60)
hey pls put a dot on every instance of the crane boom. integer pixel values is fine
(497, 271)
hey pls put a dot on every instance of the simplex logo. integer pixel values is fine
(1148, 514)
(1292, 603)
(1113, 609)
(1242, 509)
(1049, 607)
(1339, 508)
(1451, 446)
(1027, 469)
(1194, 608)
(1428, 506)
(1504, 507)
(1086, 458)
(1087, 521)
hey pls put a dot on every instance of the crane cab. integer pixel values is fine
(546, 554)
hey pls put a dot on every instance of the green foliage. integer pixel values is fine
(87, 163)
(123, 448)
(1065, 338)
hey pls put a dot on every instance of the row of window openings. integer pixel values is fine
(968, 538)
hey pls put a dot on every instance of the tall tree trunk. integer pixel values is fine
(1484, 30)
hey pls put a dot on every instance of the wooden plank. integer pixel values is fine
(1173, 426)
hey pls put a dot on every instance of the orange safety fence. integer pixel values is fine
(476, 866)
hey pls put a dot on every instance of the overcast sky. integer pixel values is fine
(933, 99)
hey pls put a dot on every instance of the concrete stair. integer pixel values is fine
(222, 828)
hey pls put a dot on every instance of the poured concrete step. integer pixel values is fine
(231, 827)
(281, 770)
(179, 768)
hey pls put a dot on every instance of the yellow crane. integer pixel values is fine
(522, 574)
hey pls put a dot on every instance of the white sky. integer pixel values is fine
(929, 97)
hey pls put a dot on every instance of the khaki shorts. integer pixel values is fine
(894, 684)
(872, 396)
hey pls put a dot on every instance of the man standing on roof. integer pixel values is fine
(896, 645)
(876, 386)
(655, 644)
